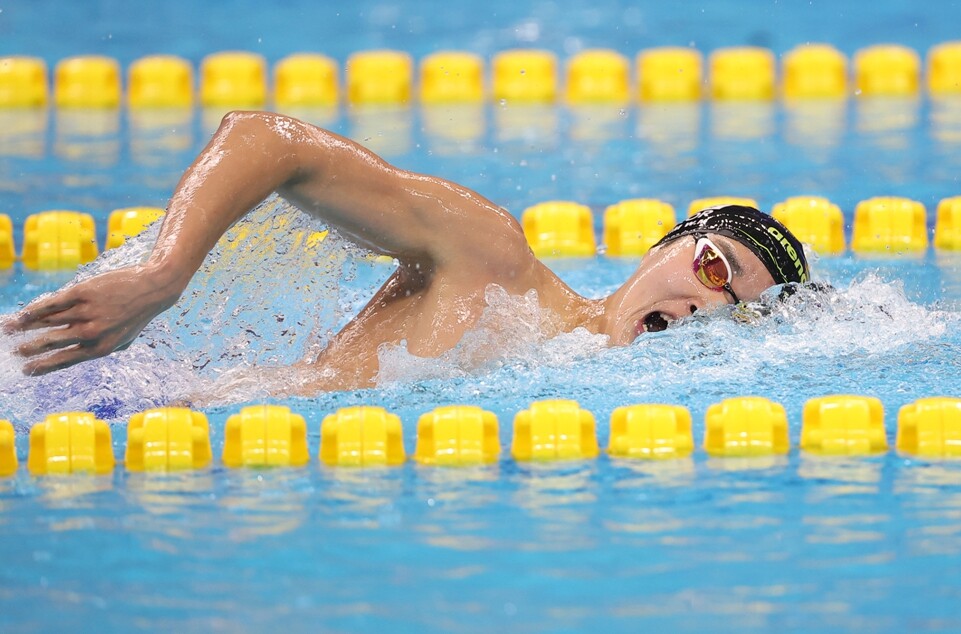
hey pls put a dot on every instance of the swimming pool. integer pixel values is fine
(795, 543)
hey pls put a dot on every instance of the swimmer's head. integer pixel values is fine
(721, 255)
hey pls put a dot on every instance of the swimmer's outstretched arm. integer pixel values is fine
(427, 223)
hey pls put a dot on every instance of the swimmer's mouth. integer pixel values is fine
(655, 321)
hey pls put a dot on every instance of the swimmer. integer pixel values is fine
(450, 243)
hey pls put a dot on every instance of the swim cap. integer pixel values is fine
(767, 238)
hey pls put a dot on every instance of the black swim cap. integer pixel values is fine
(767, 238)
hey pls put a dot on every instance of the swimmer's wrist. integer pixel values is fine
(172, 279)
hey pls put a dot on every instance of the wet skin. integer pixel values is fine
(451, 244)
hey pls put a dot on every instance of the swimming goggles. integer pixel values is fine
(711, 267)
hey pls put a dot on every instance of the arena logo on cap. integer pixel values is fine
(791, 251)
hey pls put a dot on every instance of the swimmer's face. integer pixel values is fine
(666, 288)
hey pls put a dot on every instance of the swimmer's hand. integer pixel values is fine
(92, 318)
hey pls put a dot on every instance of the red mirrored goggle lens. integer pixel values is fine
(710, 267)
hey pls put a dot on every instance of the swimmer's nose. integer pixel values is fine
(684, 307)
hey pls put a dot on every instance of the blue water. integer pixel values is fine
(793, 544)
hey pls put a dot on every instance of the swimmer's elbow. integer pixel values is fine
(272, 137)
(256, 128)
(242, 121)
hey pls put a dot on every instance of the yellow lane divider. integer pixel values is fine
(362, 437)
(265, 436)
(61, 240)
(168, 439)
(662, 74)
(72, 442)
(457, 435)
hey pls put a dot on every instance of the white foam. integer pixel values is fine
(260, 299)
(512, 330)
(799, 343)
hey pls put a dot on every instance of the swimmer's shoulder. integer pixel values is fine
(469, 233)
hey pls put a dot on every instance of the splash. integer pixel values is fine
(512, 331)
(864, 336)
(813, 343)
(269, 294)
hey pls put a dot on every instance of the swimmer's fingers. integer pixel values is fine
(53, 340)
(60, 360)
(44, 313)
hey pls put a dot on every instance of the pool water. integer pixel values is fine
(797, 543)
